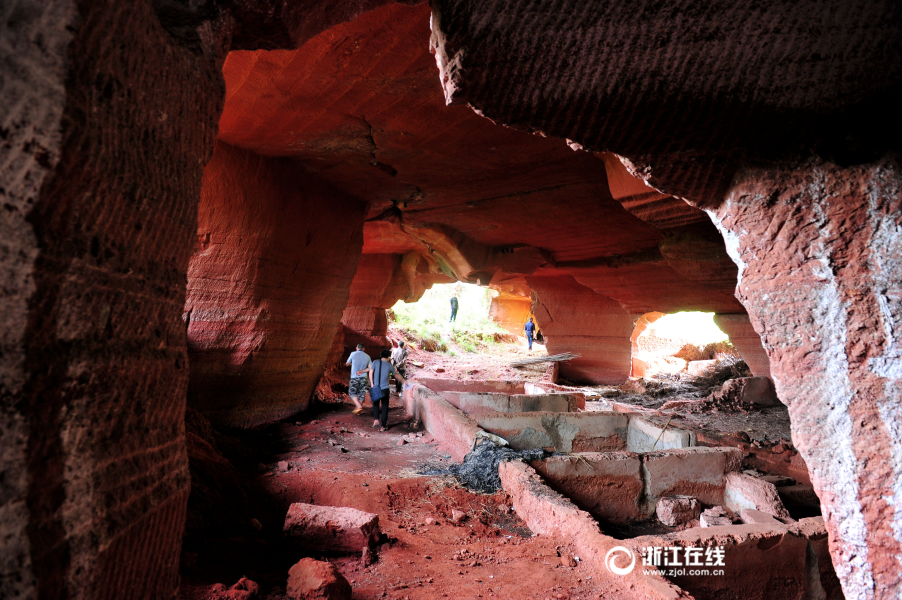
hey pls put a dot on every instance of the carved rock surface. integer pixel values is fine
(437, 177)
(575, 319)
(818, 250)
(746, 341)
(104, 142)
(268, 282)
(511, 312)
(615, 77)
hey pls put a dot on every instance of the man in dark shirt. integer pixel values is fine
(453, 308)
(530, 331)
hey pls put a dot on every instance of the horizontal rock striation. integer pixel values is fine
(267, 285)
(679, 101)
(575, 319)
(511, 312)
(368, 117)
(106, 124)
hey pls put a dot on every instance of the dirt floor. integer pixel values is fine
(491, 362)
(331, 457)
(336, 458)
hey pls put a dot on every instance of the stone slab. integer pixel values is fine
(451, 428)
(564, 432)
(440, 385)
(753, 391)
(697, 472)
(331, 528)
(751, 516)
(642, 434)
(475, 403)
(606, 484)
(745, 492)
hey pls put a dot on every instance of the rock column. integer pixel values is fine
(573, 318)
(819, 251)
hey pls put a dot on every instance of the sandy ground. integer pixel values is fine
(491, 362)
(338, 459)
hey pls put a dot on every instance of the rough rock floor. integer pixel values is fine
(488, 554)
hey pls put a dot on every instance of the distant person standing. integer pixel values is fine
(399, 360)
(454, 305)
(359, 361)
(530, 331)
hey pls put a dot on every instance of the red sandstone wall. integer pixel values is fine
(33, 98)
(378, 283)
(747, 341)
(106, 123)
(573, 318)
(511, 312)
(820, 273)
(276, 252)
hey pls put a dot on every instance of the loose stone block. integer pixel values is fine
(332, 528)
(311, 579)
(715, 517)
(676, 510)
(643, 435)
(742, 491)
(751, 516)
(565, 432)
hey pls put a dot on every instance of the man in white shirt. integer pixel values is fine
(359, 361)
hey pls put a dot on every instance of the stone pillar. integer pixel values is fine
(107, 123)
(637, 368)
(33, 95)
(511, 312)
(377, 285)
(277, 250)
(819, 251)
(746, 341)
(573, 318)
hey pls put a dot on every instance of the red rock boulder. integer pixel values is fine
(676, 510)
(332, 528)
(315, 580)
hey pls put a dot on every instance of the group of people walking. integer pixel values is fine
(373, 378)
(364, 371)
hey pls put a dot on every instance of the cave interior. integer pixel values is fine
(207, 206)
